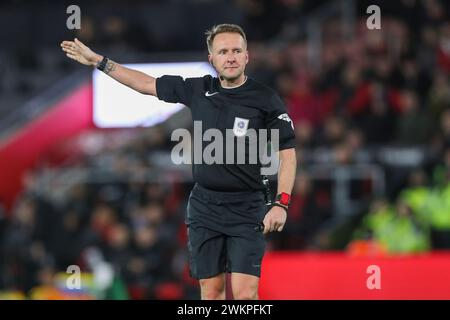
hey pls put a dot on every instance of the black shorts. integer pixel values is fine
(225, 232)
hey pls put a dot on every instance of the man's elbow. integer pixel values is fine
(147, 87)
(288, 155)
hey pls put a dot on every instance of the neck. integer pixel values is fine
(228, 83)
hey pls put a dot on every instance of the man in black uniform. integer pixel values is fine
(227, 215)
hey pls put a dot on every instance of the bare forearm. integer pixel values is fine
(275, 219)
(134, 79)
(286, 173)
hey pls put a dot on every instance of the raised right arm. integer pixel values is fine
(134, 79)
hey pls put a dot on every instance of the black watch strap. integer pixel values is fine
(276, 204)
(102, 65)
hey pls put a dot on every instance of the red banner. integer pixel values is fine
(341, 276)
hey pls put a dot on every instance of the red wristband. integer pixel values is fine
(284, 198)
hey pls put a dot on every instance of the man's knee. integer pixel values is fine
(246, 294)
(212, 289)
(245, 286)
(213, 295)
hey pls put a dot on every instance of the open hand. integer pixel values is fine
(77, 51)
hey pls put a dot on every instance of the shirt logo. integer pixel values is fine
(240, 126)
(207, 94)
(286, 118)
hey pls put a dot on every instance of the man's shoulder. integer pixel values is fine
(201, 84)
(206, 79)
(262, 90)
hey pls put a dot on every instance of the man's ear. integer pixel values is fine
(246, 57)
(210, 60)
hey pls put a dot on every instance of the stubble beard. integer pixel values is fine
(231, 79)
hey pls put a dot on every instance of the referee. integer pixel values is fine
(227, 215)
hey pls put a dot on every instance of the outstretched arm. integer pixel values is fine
(134, 79)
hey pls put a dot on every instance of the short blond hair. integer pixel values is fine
(222, 28)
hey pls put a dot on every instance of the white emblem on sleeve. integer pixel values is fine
(285, 117)
(240, 126)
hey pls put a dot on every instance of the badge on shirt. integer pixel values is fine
(240, 126)
(286, 118)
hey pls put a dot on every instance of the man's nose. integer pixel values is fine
(231, 57)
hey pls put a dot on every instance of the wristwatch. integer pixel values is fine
(283, 198)
(102, 64)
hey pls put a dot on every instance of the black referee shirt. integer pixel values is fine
(250, 105)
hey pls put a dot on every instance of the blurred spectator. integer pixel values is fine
(413, 119)
(334, 130)
(416, 194)
(378, 123)
(445, 126)
(394, 228)
(439, 95)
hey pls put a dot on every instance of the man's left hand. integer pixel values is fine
(274, 220)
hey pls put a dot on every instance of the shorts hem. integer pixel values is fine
(207, 275)
(252, 273)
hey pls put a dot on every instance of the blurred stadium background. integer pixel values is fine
(372, 118)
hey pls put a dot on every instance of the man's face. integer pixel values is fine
(229, 55)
